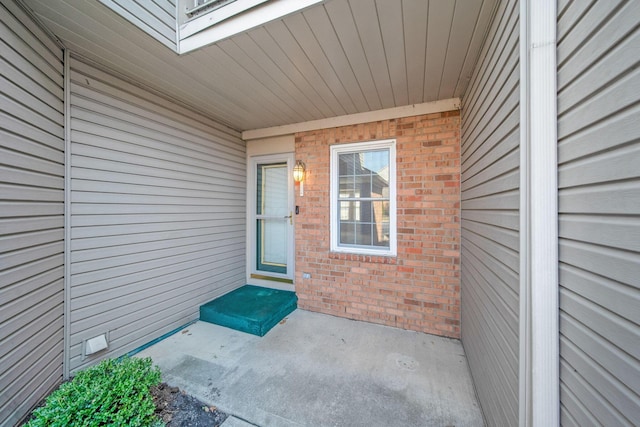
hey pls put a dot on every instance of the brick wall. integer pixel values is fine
(420, 288)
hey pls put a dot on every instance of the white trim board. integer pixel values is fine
(66, 361)
(211, 27)
(357, 118)
(539, 333)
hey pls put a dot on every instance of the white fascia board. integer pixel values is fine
(194, 34)
(206, 20)
(539, 333)
(357, 118)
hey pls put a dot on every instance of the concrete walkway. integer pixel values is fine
(319, 370)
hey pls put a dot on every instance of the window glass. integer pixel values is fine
(363, 197)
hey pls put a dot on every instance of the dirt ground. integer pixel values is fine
(176, 408)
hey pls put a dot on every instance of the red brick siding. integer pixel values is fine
(420, 288)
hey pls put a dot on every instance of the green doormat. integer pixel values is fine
(250, 309)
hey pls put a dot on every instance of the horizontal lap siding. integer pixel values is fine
(157, 213)
(31, 214)
(490, 220)
(155, 17)
(599, 212)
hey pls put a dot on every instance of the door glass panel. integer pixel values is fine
(272, 190)
(272, 245)
(272, 219)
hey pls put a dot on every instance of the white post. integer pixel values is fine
(67, 217)
(539, 335)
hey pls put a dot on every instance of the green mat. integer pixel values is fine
(250, 309)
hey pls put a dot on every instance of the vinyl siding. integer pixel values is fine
(155, 17)
(490, 220)
(599, 212)
(31, 214)
(157, 213)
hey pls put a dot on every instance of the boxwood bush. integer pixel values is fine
(112, 393)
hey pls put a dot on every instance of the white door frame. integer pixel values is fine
(280, 281)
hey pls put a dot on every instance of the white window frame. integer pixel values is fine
(336, 150)
(200, 26)
(221, 12)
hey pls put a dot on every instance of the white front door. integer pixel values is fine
(271, 217)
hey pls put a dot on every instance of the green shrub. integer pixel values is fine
(112, 393)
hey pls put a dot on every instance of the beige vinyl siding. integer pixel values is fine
(157, 213)
(599, 212)
(155, 17)
(31, 214)
(490, 220)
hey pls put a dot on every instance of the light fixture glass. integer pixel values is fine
(298, 171)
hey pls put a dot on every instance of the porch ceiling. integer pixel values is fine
(338, 57)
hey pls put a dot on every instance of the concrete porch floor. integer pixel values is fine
(319, 370)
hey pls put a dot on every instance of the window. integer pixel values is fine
(207, 6)
(203, 22)
(363, 198)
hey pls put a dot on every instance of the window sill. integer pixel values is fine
(374, 259)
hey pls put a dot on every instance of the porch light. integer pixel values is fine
(298, 171)
(298, 174)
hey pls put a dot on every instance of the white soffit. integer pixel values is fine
(211, 27)
(335, 58)
(354, 119)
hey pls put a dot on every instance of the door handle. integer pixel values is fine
(290, 216)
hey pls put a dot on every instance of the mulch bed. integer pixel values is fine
(176, 408)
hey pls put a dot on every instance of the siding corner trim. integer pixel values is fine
(539, 334)
(67, 215)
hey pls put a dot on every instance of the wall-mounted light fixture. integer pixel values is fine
(298, 174)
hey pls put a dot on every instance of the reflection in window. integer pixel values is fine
(363, 197)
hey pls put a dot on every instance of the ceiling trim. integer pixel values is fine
(357, 118)
(207, 29)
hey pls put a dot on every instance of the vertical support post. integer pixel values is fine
(539, 334)
(67, 216)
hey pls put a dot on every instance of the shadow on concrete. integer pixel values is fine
(319, 370)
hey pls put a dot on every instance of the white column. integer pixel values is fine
(539, 336)
(67, 216)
